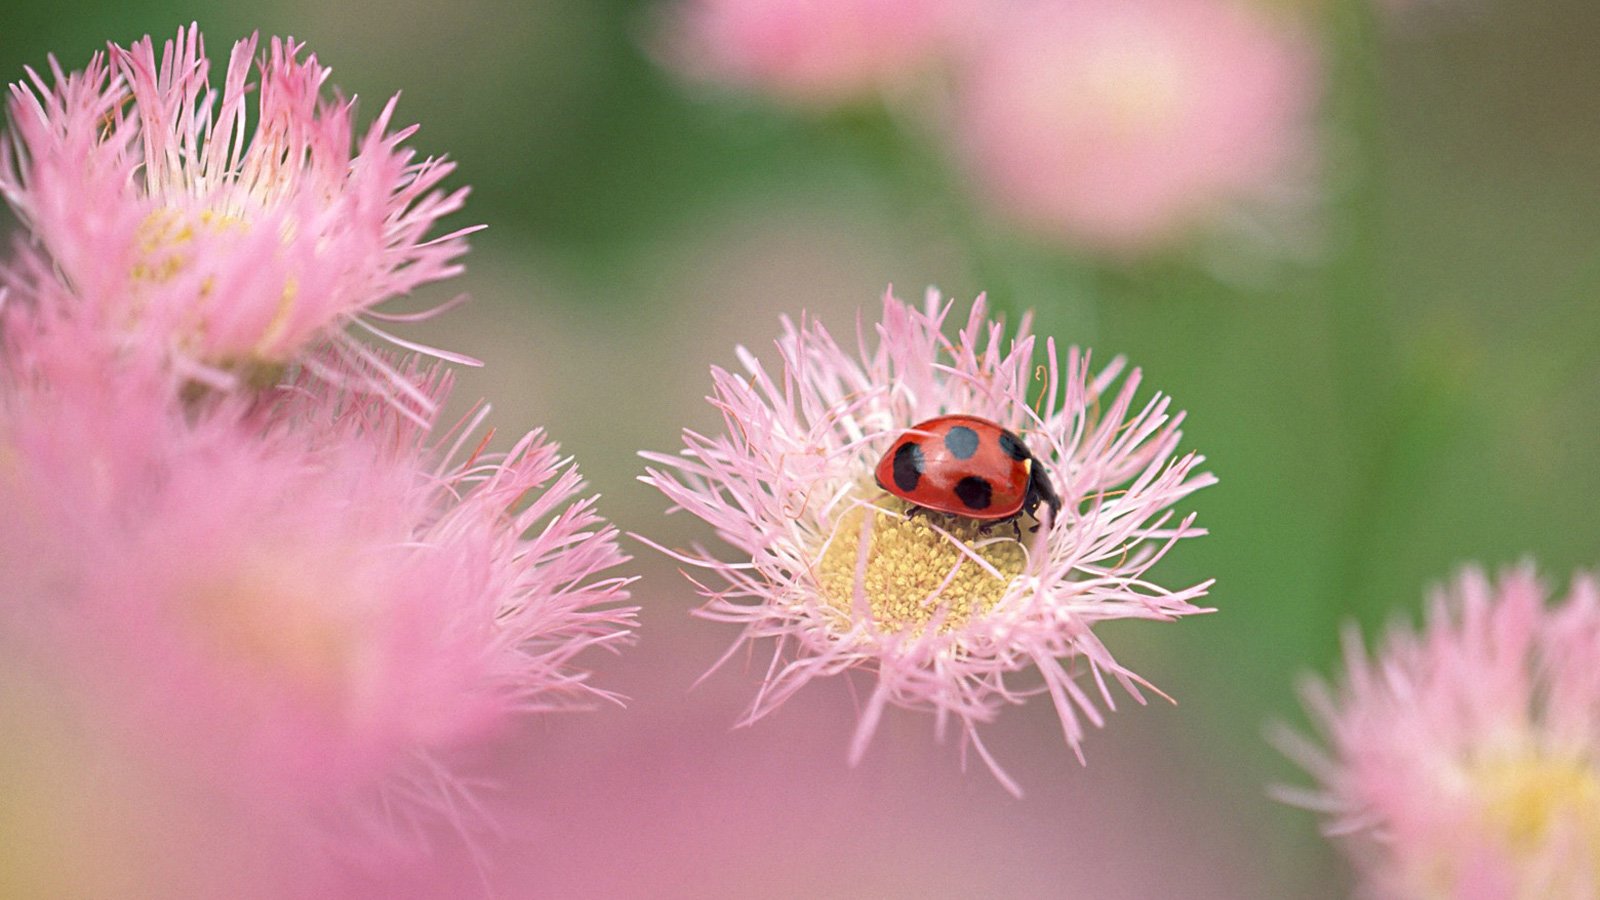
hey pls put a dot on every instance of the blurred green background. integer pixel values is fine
(1421, 395)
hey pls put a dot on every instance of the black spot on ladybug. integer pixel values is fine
(975, 492)
(961, 441)
(1013, 446)
(908, 467)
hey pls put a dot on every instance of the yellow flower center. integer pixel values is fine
(1537, 812)
(163, 252)
(290, 619)
(1139, 89)
(1532, 798)
(909, 573)
(162, 236)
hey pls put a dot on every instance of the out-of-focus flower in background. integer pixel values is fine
(811, 53)
(282, 614)
(299, 611)
(1123, 125)
(1464, 760)
(945, 614)
(160, 200)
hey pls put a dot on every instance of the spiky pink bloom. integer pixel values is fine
(302, 611)
(944, 615)
(1464, 760)
(1121, 126)
(244, 239)
(815, 53)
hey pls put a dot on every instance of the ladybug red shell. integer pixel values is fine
(966, 466)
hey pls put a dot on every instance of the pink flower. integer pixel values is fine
(1464, 760)
(235, 241)
(944, 614)
(304, 611)
(811, 52)
(1122, 125)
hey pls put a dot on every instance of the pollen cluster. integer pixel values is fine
(161, 237)
(164, 250)
(915, 576)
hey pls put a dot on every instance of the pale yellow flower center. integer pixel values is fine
(162, 236)
(163, 252)
(1536, 811)
(911, 574)
(287, 618)
(1530, 798)
(1138, 88)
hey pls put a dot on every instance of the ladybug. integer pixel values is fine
(966, 466)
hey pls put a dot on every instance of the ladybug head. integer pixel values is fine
(1040, 490)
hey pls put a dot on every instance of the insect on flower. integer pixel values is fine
(967, 466)
(835, 573)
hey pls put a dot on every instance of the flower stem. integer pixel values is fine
(1364, 350)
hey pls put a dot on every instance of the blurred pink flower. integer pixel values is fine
(1464, 761)
(810, 52)
(1121, 125)
(944, 614)
(241, 242)
(303, 611)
